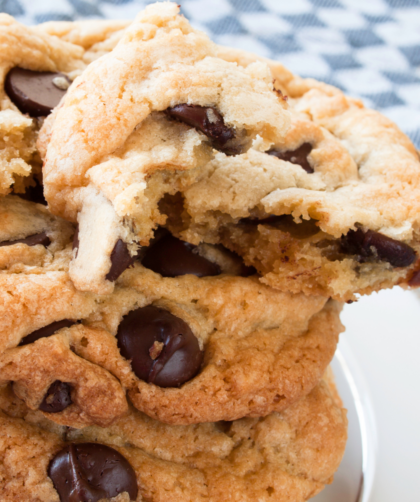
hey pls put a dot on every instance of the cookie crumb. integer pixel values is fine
(61, 82)
(156, 349)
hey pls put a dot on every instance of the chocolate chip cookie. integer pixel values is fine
(285, 456)
(188, 333)
(141, 123)
(343, 218)
(326, 205)
(37, 66)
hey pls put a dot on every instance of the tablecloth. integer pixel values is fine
(368, 48)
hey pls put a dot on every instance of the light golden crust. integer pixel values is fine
(114, 138)
(263, 349)
(88, 34)
(285, 457)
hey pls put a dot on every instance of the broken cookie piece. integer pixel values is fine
(161, 103)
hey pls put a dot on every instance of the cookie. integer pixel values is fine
(343, 170)
(317, 209)
(187, 333)
(35, 73)
(286, 456)
(32, 240)
(161, 103)
(96, 37)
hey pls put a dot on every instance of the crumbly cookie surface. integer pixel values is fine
(286, 456)
(260, 349)
(130, 116)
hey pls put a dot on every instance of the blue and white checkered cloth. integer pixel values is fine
(368, 48)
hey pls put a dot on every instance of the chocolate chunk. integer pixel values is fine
(286, 223)
(35, 92)
(46, 331)
(31, 240)
(120, 260)
(374, 244)
(208, 121)
(177, 362)
(57, 398)
(89, 472)
(171, 257)
(298, 156)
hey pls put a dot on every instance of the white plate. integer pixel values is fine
(354, 478)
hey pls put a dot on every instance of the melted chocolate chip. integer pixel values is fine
(35, 92)
(31, 240)
(298, 156)
(46, 331)
(286, 223)
(208, 121)
(120, 260)
(57, 398)
(89, 472)
(171, 257)
(169, 366)
(373, 244)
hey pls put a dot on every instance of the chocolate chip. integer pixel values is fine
(177, 362)
(89, 472)
(208, 121)
(374, 244)
(247, 271)
(35, 92)
(31, 240)
(298, 156)
(120, 260)
(57, 397)
(286, 223)
(46, 331)
(34, 194)
(414, 282)
(171, 257)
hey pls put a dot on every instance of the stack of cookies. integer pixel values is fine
(170, 309)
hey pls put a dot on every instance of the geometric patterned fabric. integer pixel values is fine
(368, 48)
